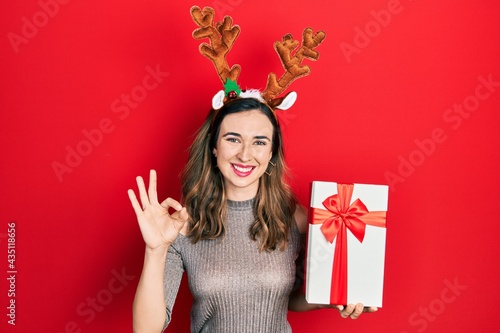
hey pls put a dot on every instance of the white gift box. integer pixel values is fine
(365, 260)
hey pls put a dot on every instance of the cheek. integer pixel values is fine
(264, 155)
(225, 152)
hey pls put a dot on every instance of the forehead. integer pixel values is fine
(252, 122)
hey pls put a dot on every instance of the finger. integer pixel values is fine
(183, 215)
(338, 307)
(142, 192)
(171, 203)
(347, 311)
(135, 204)
(358, 310)
(152, 192)
(370, 309)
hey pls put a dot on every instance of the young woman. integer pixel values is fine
(238, 235)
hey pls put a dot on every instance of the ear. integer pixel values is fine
(288, 101)
(214, 151)
(218, 100)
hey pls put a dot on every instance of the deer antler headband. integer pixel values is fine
(222, 36)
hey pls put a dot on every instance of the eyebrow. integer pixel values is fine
(258, 137)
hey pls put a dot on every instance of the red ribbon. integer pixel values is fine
(339, 216)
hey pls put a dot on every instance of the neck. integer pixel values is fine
(240, 195)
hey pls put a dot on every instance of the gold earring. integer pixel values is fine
(270, 168)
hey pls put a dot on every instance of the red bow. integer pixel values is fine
(340, 216)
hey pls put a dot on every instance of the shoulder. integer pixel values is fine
(301, 218)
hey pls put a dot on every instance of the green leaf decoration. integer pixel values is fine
(231, 85)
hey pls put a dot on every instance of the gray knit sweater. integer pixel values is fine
(235, 287)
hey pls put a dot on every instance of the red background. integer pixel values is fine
(357, 118)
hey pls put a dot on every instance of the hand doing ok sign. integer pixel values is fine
(158, 226)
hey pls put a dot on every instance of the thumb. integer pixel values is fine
(183, 214)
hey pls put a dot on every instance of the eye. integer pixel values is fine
(260, 143)
(232, 139)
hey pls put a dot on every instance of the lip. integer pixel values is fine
(242, 170)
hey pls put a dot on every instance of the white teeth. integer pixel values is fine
(240, 169)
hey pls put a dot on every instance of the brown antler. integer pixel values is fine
(291, 64)
(221, 37)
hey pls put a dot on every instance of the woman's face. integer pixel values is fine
(243, 151)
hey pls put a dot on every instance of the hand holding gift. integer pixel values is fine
(353, 311)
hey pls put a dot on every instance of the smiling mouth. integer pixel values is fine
(242, 170)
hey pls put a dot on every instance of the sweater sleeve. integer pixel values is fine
(300, 262)
(172, 276)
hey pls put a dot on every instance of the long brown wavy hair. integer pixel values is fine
(203, 185)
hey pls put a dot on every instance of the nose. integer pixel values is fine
(245, 153)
